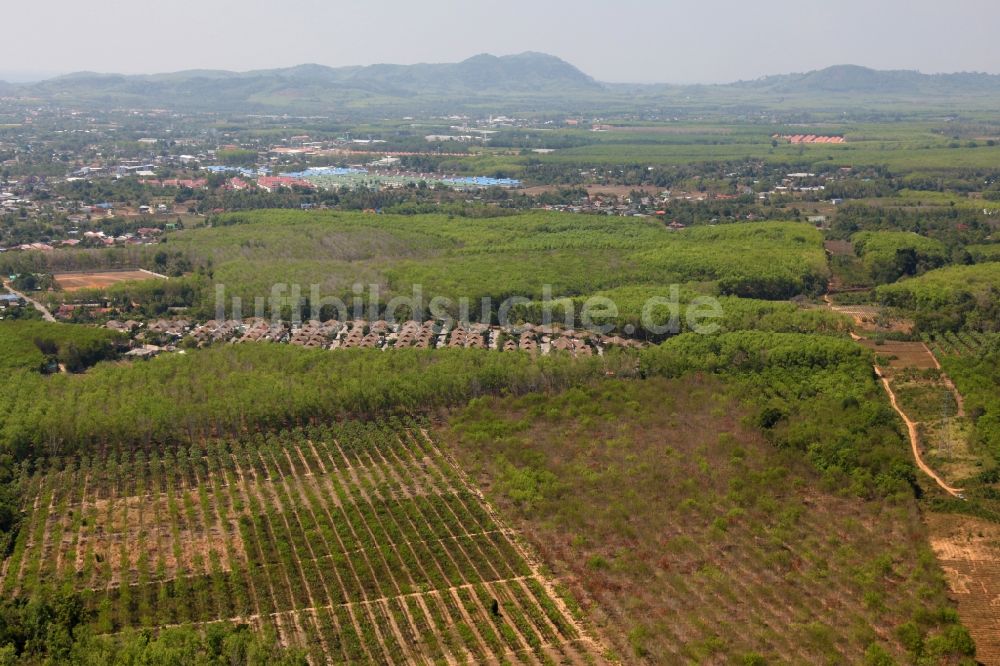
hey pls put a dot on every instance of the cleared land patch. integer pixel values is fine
(839, 248)
(903, 355)
(101, 280)
(969, 551)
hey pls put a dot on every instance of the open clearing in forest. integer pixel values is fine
(357, 544)
(902, 355)
(101, 280)
(839, 248)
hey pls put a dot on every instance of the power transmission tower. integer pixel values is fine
(946, 421)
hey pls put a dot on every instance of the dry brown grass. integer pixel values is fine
(903, 355)
(969, 551)
(77, 281)
(839, 248)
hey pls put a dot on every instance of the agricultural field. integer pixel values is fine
(963, 343)
(98, 280)
(357, 543)
(943, 373)
(902, 147)
(969, 551)
(924, 199)
(956, 424)
(145, 496)
(691, 539)
(902, 355)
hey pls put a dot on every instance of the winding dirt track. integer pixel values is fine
(911, 426)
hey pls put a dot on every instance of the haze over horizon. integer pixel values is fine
(673, 42)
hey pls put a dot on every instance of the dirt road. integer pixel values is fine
(46, 315)
(911, 427)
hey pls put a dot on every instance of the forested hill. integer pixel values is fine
(854, 79)
(313, 86)
(507, 84)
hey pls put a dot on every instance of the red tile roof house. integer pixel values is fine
(271, 183)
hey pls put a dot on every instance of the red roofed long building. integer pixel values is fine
(271, 183)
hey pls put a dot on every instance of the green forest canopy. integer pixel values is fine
(30, 345)
(224, 390)
(474, 258)
(950, 297)
(888, 255)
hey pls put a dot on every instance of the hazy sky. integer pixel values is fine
(624, 40)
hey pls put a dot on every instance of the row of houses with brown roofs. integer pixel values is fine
(362, 334)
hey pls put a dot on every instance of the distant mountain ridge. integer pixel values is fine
(518, 71)
(856, 79)
(483, 75)
(520, 82)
